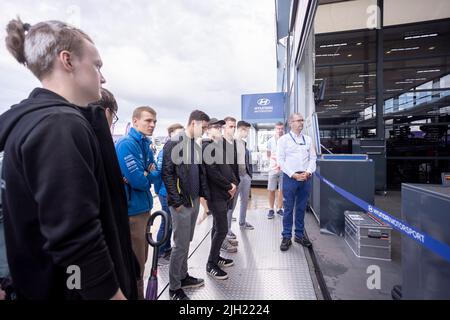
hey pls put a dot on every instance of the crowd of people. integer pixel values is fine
(71, 197)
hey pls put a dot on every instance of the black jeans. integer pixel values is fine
(219, 229)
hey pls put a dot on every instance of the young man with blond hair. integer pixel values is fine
(64, 203)
(137, 164)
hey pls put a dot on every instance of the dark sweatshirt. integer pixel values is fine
(64, 201)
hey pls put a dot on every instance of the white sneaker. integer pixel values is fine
(227, 247)
(231, 235)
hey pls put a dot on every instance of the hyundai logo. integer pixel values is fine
(263, 102)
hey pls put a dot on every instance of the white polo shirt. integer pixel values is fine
(296, 153)
(272, 147)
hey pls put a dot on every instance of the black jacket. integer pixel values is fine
(64, 202)
(233, 159)
(248, 165)
(176, 175)
(220, 175)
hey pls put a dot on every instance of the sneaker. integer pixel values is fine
(191, 282)
(233, 242)
(247, 226)
(215, 272)
(280, 212)
(227, 247)
(231, 235)
(178, 295)
(271, 214)
(285, 244)
(303, 241)
(224, 263)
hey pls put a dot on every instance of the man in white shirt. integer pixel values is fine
(275, 175)
(297, 160)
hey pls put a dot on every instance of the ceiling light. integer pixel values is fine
(359, 43)
(362, 103)
(428, 71)
(393, 90)
(431, 48)
(335, 100)
(371, 98)
(358, 82)
(333, 45)
(330, 105)
(416, 79)
(421, 36)
(349, 55)
(388, 52)
(367, 75)
(344, 92)
(357, 86)
(403, 82)
(319, 79)
(404, 49)
(328, 55)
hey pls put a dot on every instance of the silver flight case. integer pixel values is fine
(366, 236)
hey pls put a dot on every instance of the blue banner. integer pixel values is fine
(263, 107)
(434, 245)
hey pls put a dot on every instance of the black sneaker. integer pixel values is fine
(215, 272)
(303, 241)
(223, 262)
(285, 244)
(191, 282)
(280, 212)
(271, 214)
(178, 295)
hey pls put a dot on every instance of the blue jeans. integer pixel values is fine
(166, 246)
(295, 195)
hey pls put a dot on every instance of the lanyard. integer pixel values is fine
(300, 144)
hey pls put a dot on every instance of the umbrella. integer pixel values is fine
(152, 285)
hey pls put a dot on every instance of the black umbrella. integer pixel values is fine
(152, 286)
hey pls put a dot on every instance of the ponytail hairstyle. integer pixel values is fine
(37, 46)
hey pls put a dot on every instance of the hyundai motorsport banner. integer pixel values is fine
(263, 107)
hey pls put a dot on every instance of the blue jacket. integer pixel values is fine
(135, 155)
(160, 188)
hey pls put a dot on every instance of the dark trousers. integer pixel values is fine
(295, 196)
(220, 228)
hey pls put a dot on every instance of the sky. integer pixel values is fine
(175, 56)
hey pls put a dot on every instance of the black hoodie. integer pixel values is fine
(64, 202)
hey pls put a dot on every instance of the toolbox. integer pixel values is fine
(367, 236)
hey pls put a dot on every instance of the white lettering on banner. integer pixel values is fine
(263, 109)
(416, 235)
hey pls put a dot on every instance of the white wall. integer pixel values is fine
(351, 15)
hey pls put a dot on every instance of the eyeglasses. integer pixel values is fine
(115, 117)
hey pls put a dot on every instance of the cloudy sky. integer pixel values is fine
(174, 55)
